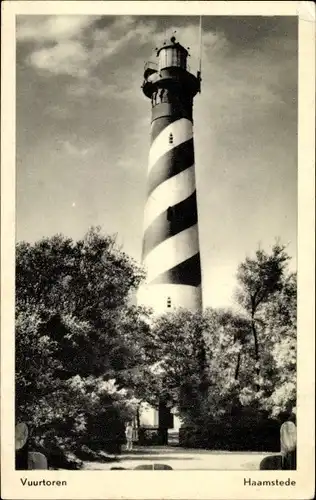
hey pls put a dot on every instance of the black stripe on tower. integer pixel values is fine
(172, 221)
(160, 124)
(170, 105)
(171, 163)
(185, 273)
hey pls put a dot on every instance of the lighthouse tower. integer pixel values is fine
(171, 253)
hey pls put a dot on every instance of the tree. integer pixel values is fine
(279, 328)
(259, 279)
(230, 334)
(220, 362)
(200, 358)
(179, 375)
(75, 332)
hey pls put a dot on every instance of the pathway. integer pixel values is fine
(184, 459)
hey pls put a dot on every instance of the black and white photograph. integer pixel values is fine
(156, 247)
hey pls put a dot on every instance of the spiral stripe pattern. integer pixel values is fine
(170, 244)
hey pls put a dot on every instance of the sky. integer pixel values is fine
(83, 132)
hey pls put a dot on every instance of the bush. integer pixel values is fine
(240, 433)
(57, 451)
(85, 453)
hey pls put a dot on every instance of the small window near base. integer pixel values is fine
(169, 302)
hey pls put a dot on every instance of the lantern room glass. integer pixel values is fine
(172, 57)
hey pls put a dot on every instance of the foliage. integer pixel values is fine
(199, 357)
(178, 344)
(253, 432)
(85, 357)
(210, 367)
(72, 319)
(259, 279)
(278, 332)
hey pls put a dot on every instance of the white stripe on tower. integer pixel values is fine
(181, 130)
(171, 243)
(172, 191)
(172, 252)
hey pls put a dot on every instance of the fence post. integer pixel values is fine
(25, 459)
(21, 446)
(288, 445)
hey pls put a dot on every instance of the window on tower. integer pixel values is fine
(169, 302)
(170, 138)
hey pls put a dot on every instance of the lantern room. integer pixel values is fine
(171, 71)
(173, 55)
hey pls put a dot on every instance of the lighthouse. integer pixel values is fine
(170, 252)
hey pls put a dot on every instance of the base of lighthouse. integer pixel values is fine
(166, 297)
(149, 419)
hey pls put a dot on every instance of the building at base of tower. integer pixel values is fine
(171, 253)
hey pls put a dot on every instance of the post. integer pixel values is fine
(288, 445)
